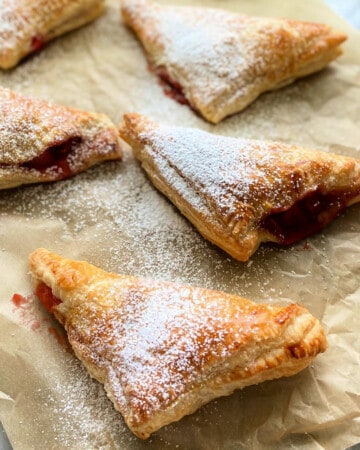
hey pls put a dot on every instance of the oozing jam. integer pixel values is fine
(37, 43)
(171, 88)
(46, 296)
(306, 217)
(54, 157)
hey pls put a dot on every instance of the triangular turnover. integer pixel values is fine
(219, 62)
(163, 349)
(240, 192)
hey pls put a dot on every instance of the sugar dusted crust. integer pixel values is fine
(223, 61)
(26, 25)
(29, 128)
(239, 193)
(162, 349)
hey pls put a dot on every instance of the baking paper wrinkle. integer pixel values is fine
(112, 217)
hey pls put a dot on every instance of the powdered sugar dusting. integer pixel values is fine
(81, 406)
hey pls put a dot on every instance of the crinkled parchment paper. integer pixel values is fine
(112, 217)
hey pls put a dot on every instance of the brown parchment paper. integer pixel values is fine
(112, 217)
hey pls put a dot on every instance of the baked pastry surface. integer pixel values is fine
(26, 25)
(42, 142)
(238, 192)
(219, 62)
(163, 349)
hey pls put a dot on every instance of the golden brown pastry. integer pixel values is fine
(218, 62)
(162, 349)
(26, 25)
(238, 192)
(42, 142)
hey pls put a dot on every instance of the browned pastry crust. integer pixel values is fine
(162, 349)
(238, 192)
(219, 62)
(42, 142)
(26, 25)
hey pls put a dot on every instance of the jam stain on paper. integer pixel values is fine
(26, 310)
(31, 318)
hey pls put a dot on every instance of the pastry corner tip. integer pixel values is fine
(39, 252)
(39, 259)
(313, 340)
(336, 38)
(133, 124)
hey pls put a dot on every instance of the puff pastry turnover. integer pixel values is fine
(42, 142)
(162, 349)
(239, 193)
(26, 25)
(218, 62)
